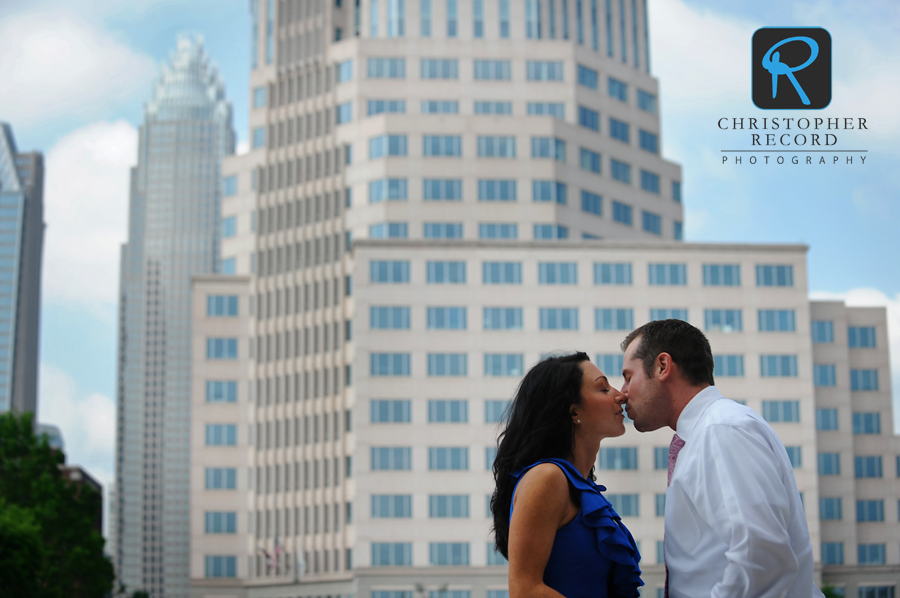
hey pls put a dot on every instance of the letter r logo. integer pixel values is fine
(791, 68)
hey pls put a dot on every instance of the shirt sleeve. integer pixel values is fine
(742, 494)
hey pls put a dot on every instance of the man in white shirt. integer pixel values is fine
(735, 524)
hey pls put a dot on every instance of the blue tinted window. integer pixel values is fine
(774, 276)
(439, 107)
(498, 230)
(652, 223)
(618, 90)
(440, 68)
(650, 142)
(446, 272)
(496, 146)
(589, 160)
(861, 336)
(389, 106)
(587, 77)
(726, 275)
(589, 119)
(221, 305)
(622, 213)
(485, 107)
(496, 70)
(619, 130)
(496, 190)
(387, 68)
(723, 320)
(650, 182)
(502, 273)
(591, 203)
(864, 380)
(822, 331)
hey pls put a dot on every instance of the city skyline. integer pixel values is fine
(81, 386)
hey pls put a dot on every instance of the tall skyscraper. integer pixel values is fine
(21, 249)
(439, 193)
(173, 235)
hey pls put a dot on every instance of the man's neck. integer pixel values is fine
(681, 396)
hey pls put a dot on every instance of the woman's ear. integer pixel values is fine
(574, 415)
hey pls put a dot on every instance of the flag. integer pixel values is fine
(270, 562)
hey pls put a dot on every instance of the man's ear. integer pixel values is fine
(664, 366)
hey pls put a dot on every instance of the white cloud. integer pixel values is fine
(243, 147)
(875, 298)
(55, 63)
(86, 210)
(87, 424)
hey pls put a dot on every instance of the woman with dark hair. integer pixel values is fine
(561, 536)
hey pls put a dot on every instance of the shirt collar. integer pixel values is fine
(691, 413)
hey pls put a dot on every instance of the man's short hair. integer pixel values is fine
(688, 347)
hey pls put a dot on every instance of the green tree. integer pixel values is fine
(70, 562)
(20, 551)
(830, 591)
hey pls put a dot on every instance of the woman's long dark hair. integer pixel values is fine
(538, 426)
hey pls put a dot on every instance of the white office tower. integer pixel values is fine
(173, 234)
(437, 194)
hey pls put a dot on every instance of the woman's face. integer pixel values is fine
(600, 412)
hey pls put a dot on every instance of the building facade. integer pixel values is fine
(21, 250)
(173, 235)
(436, 195)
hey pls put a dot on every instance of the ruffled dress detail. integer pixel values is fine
(594, 555)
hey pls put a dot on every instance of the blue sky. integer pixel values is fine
(80, 76)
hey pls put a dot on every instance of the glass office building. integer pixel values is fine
(173, 235)
(21, 248)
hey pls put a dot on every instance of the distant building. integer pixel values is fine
(21, 249)
(54, 436)
(81, 477)
(173, 234)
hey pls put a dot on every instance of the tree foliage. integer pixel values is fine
(830, 591)
(51, 520)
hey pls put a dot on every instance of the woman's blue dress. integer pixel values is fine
(593, 555)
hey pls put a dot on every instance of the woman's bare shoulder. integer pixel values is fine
(546, 480)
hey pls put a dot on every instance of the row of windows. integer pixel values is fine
(397, 145)
(294, 214)
(824, 376)
(626, 458)
(399, 554)
(866, 554)
(490, 70)
(314, 428)
(857, 336)
(375, 107)
(439, 411)
(511, 364)
(869, 466)
(552, 24)
(453, 458)
(454, 272)
(866, 510)
(566, 318)
(590, 203)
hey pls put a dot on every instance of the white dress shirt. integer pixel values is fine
(735, 526)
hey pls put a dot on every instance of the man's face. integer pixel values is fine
(646, 402)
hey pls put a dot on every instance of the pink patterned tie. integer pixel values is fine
(674, 448)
